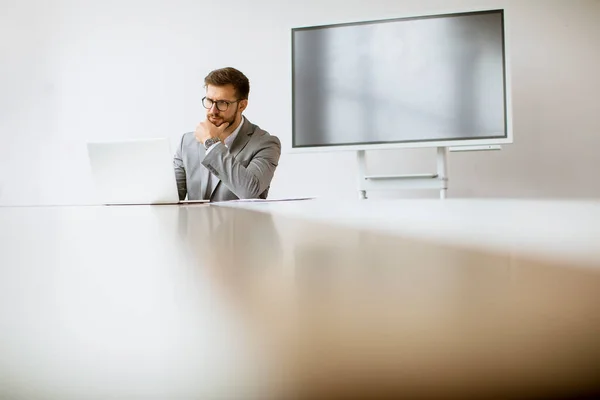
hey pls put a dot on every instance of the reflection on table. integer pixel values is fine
(225, 302)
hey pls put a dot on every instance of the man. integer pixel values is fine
(227, 157)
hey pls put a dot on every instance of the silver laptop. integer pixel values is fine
(134, 172)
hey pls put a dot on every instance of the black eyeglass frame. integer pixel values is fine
(217, 102)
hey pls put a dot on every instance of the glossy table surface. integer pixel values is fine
(307, 299)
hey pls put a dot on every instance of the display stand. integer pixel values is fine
(437, 181)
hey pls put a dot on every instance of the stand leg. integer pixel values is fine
(442, 169)
(362, 168)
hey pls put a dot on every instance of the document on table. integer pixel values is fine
(267, 200)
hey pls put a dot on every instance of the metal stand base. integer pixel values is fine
(437, 181)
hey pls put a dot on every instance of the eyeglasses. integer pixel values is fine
(222, 105)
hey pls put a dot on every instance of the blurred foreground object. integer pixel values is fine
(304, 300)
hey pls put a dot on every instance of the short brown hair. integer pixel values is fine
(227, 76)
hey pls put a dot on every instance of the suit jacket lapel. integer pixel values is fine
(215, 183)
(241, 140)
(205, 178)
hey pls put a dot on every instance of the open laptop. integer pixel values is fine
(135, 172)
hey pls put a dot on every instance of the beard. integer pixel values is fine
(218, 119)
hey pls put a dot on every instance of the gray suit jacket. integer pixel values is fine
(243, 171)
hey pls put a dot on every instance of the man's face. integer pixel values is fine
(234, 110)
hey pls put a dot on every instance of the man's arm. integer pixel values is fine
(180, 171)
(245, 182)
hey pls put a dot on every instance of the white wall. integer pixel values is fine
(73, 71)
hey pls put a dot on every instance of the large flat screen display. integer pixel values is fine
(426, 80)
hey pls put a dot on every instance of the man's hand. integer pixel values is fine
(207, 129)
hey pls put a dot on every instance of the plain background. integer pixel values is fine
(72, 71)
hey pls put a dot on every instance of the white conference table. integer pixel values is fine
(305, 299)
